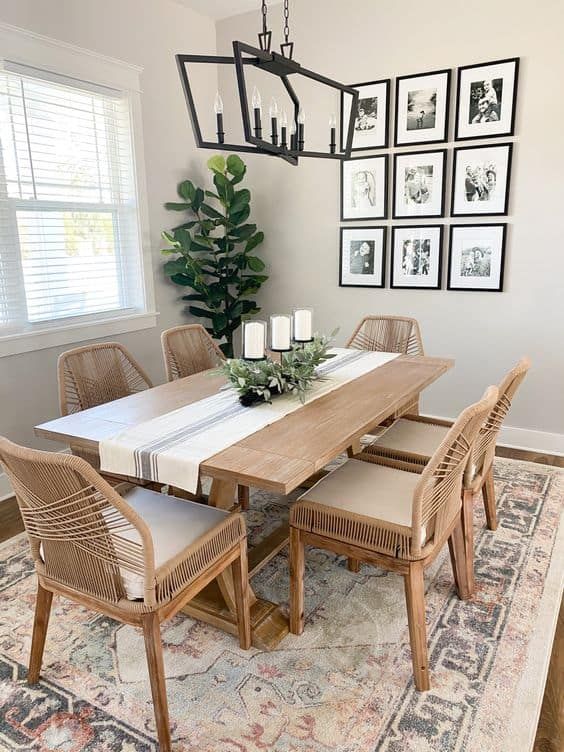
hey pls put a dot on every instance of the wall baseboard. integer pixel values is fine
(515, 438)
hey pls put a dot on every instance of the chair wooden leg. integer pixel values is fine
(488, 493)
(40, 624)
(297, 568)
(240, 571)
(243, 497)
(468, 531)
(458, 560)
(415, 601)
(154, 650)
(353, 565)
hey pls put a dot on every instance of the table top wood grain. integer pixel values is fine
(285, 453)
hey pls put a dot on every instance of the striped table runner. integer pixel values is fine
(170, 448)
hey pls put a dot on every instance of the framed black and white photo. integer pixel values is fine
(476, 257)
(417, 257)
(362, 258)
(364, 188)
(422, 106)
(419, 184)
(372, 118)
(480, 182)
(485, 101)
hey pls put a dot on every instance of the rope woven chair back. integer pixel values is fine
(395, 334)
(96, 374)
(82, 533)
(437, 497)
(484, 448)
(187, 350)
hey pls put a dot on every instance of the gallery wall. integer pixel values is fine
(148, 34)
(299, 209)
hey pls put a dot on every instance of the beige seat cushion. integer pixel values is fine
(174, 525)
(362, 488)
(414, 437)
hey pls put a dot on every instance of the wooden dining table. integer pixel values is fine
(282, 457)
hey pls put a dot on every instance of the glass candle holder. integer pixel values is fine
(280, 332)
(254, 340)
(303, 324)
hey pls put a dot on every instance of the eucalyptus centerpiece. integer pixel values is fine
(260, 380)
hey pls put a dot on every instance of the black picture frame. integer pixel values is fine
(403, 155)
(384, 215)
(452, 229)
(387, 82)
(457, 150)
(384, 247)
(501, 134)
(439, 284)
(444, 137)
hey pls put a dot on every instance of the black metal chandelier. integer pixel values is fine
(290, 142)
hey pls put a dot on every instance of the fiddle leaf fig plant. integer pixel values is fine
(214, 251)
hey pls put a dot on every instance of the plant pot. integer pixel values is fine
(252, 398)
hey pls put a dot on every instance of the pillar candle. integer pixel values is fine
(280, 332)
(253, 340)
(303, 320)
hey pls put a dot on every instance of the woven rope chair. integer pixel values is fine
(411, 441)
(395, 334)
(93, 375)
(187, 350)
(137, 558)
(395, 519)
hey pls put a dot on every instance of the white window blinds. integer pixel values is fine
(69, 230)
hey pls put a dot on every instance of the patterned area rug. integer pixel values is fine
(345, 684)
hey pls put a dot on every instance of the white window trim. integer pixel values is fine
(28, 48)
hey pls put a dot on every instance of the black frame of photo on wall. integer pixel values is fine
(483, 233)
(423, 196)
(486, 113)
(381, 136)
(434, 258)
(424, 119)
(347, 278)
(487, 200)
(381, 199)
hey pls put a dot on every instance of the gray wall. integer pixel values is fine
(147, 33)
(298, 208)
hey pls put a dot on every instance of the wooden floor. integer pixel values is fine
(550, 731)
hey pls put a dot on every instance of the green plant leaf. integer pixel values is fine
(255, 263)
(186, 190)
(183, 238)
(217, 163)
(235, 166)
(253, 241)
(183, 279)
(185, 226)
(240, 201)
(209, 211)
(175, 206)
(198, 200)
(244, 232)
(174, 266)
(224, 187)
(200, 297)
(200, 312)
(240, 217)
(219, 321)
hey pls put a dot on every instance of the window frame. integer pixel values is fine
(60, 58)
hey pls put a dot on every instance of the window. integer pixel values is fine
(70, 249)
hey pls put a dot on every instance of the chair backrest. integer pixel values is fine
(437, 497)
(83, 535)
(484, 447)
(397, 334)
(96, 374)
(189, 349)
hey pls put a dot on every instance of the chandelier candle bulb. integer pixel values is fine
(333, 127)
(218, 109)
(254, 340)
(274, 121)
(293, 137)
(257, 107)
(284, 130)
(301, 129)
(280, 332)
(303, 324)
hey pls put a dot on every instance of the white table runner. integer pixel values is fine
(170, 448)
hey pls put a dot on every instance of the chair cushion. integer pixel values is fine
(413, 436)
(363, 488)
(174, 525)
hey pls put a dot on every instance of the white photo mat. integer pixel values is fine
(354, 271)
(417, 257)
(364, 188)
(419, 184)
(370, 132)
(476, 246)
(406, 134)
(475, 191)
(504, 71)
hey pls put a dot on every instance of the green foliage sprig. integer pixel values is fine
(259, 381)
(215, 252)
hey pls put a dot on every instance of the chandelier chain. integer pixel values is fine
(264, 14)
(286, 20)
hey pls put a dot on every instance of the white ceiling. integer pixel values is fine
(222, 8)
